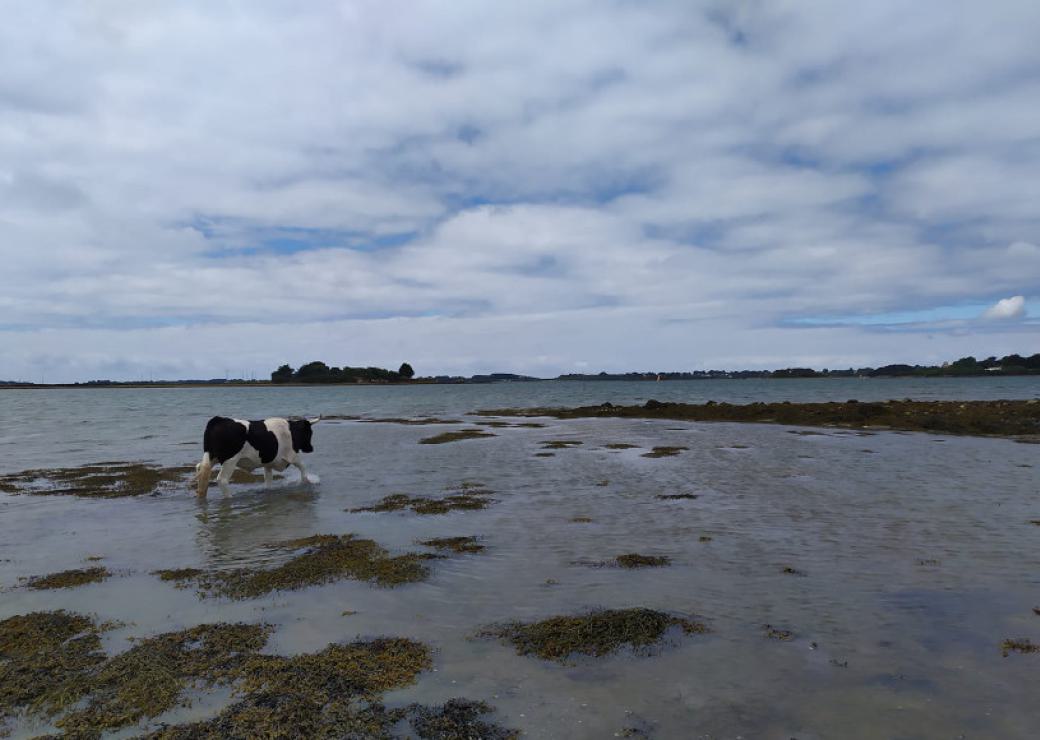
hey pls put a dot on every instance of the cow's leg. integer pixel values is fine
(267, 476)
(202, 473)
(227, 469)
(303, 473)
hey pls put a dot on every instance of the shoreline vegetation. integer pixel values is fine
(318, 373)
(1019, 419)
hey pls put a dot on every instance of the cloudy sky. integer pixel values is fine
(189, 189)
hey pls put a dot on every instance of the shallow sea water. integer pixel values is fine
(917, 553)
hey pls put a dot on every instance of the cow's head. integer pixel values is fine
(301, 434)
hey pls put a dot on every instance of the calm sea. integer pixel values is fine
(916, 551)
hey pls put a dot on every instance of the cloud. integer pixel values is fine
(1006, 309)
(197, 167)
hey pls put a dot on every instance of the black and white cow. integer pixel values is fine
(274, 444)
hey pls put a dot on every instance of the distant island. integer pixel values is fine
(966, 366)
(318, 373)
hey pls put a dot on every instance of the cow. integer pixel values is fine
(274, 444)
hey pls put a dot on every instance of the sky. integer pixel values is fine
(196, 189)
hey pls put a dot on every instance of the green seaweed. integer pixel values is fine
(620, 446)
(68, 578)
(789, 571)
(99, 480)
(596, 633)
(677, 496)
(439, 439)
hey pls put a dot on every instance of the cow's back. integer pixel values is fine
(224, 438)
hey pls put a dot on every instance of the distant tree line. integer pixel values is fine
(1007, 365)
(319, 372)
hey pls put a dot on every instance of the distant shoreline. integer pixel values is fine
(466, 381)
(1018, 419)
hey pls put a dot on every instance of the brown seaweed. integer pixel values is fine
(99, 480)
(1003, 418)
(439, 439)
(596, 633)
(68, 578)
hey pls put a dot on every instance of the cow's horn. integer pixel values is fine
(315, 420)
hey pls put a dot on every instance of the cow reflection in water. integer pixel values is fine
(238, 531)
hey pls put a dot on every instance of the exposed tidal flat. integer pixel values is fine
(763, 580)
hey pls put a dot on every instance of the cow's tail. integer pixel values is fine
(202, 474)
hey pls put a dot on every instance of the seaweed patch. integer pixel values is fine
(150, 677)
(68, 578)
(677, 496)
(635, 560)
(774, 633)
(99, 480)
(1020, 419)
(664, 451)
(455, 544)
(53, 664)
(46, 659)
(418, 421)
(559, 444)
(331, 693)
(439, 439)
(596, 633)
(1018, 646)
(324, 558)
(179, 576)
(470, 500)
(457, 719)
